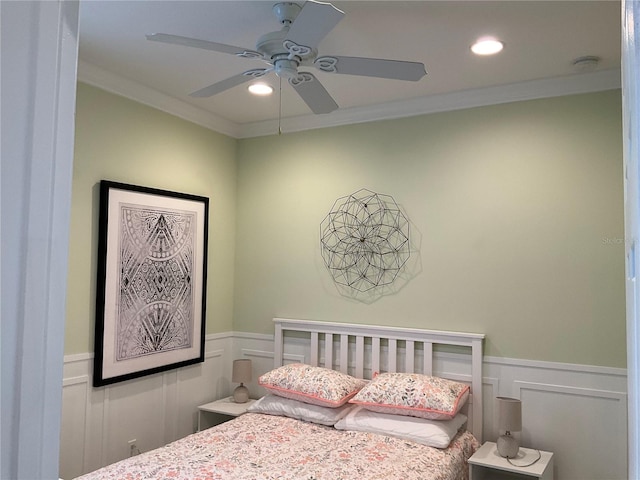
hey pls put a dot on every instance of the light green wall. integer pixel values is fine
(518, 209)
(121, 140)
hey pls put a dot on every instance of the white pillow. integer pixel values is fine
(287, 407)
(433, 433)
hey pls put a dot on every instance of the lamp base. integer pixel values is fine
(508, 446)
(241, 394)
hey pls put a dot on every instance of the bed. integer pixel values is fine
(320, 421)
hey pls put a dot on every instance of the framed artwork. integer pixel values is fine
(151, 288)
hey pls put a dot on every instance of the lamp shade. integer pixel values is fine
(509, 414)
(241, 371)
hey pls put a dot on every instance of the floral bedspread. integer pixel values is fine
(265, 447)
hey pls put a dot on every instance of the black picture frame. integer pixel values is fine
(151, 281)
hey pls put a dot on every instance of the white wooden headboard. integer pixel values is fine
(372, 348)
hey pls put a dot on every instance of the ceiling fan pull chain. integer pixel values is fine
(280, 106)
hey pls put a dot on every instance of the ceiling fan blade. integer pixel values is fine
(230, 82)
(313, 93)
(313, 23)
(372, 67)
(194, 42)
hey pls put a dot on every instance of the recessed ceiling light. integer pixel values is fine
(487, 46)
(261, 89)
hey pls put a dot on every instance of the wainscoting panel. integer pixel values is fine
(97, 423)
(75, 400)
(561, 410)
(579, 412)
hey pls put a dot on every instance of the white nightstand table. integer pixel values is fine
(214, 413)
(487, 463)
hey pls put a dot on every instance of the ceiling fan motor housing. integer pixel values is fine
(275, 44)
(286, 12)
(286, 68)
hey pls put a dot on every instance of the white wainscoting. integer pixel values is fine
(97, 423)
(579, 412)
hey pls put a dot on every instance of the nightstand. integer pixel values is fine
(220, 411)
(487, 463)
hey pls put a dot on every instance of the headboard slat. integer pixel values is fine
(392, 361)
(375, 355)
(344, 353)
(360, 356)
(315, 344)
(328, 350)
(409, 359)
(428, 358)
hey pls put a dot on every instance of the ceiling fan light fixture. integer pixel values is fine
(261, 89)
(293, 46)
(487, 46)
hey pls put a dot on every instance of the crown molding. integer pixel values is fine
(531, 90)
(481, 97)
(114, 83)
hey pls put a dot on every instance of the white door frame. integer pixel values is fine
(39, 72)
(631, 148)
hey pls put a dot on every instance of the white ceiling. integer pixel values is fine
(542, 38)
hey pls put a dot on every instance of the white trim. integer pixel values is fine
(170, 385)
(544, 88)
(105, 426)
(537, 364)
(67, 382)
(290, 357)
(252, 336)
(218, 336)
(86, 431)
(39, 42)
(531, 90)
(631, 148)
(613, 435)
(519, 386)
(111, 82)
(250, 352)
(569, 367)
(437, 336)
(78, 357)
(214, 353)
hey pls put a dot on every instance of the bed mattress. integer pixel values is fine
(265, 447)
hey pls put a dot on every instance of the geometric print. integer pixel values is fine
(155, 301)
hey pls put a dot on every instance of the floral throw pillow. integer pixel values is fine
(413, 394)
(314, 385)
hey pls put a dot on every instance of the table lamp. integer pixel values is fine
(509, 420)
(241, 374)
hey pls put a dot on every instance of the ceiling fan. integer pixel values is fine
(294, 46)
